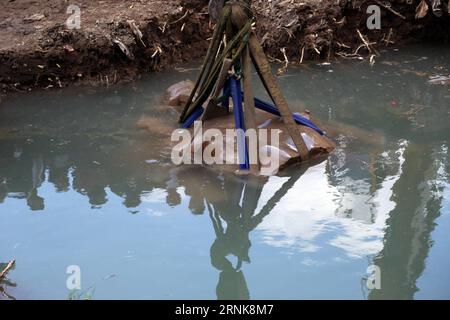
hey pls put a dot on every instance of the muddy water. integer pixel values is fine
(79, 185)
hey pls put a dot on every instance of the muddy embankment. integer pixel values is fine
(120, 40)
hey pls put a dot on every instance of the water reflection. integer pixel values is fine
(373, 201)
(386, 211)
(418, 194)
(385, 207)
(233, 219)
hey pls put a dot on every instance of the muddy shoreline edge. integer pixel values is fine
(43, 53)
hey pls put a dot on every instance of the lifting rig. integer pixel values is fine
(227, 69)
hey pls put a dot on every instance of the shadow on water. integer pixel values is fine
(386, 196)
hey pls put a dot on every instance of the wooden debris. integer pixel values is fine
(439, 79)
(182, 18)
(422, 9)
(388, 40)
(388, 8)
(158, 51)
(302, 55)
(283, 69)
(7, 269)
(124, 49)
(137, 33)
(367, 44)
(372, 60)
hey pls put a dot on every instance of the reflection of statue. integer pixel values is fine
(234, 239)
(231, 202)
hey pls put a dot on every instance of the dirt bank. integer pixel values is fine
(326, 29)
(38, 50)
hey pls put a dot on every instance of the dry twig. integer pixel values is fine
(388, 8)
(283, 69)
(8, 267)
(422, 9)
(366, 42)
(137, 33)
(303, 55)
(184, 16)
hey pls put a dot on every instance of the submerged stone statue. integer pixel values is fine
(225, 84)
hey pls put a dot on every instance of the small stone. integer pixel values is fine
(68, 48)
(178, 94)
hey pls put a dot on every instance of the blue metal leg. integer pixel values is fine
(236, 94)
(226, 94)
(193, 117)
(298, 118)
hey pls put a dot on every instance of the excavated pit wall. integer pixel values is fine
(37, 50)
